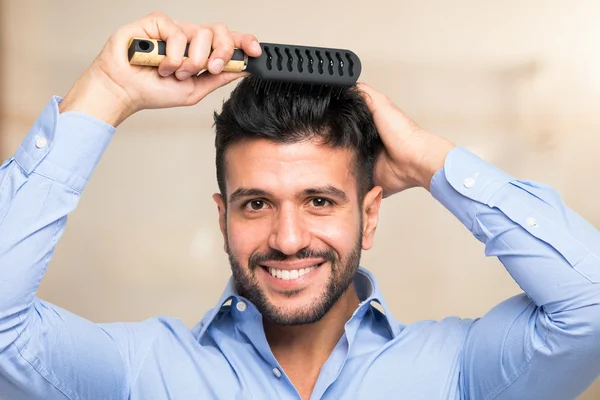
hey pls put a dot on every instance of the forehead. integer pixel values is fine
(288, 167)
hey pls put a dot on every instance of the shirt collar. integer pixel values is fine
(367, 289)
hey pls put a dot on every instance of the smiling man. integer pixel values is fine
(297, 201)
(301, 180)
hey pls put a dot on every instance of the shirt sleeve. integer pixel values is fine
(45, 351)
(545, 343)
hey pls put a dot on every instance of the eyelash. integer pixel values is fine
(248, 208)
(328, 202)
(247, 205)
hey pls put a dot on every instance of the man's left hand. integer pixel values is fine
(411, 155)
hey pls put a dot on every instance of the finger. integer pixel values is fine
(373, 97)
(388, 117)
(248, 43)
(200, 40)
(223, 47)
(207, 83)
(160, 26)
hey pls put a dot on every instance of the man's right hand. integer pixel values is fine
(112, 90)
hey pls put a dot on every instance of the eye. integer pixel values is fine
(255, 205)
(320, 202)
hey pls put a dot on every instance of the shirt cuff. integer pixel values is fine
(467, 185)
(464, 181)
(64, 147)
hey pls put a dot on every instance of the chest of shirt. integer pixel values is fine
(421, 363)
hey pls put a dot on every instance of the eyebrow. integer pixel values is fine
(327, 190)
(244, 192)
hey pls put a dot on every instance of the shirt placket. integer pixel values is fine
(249, 322)
(332, 368)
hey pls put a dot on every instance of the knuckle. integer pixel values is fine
(194, 64)
(174, 60)
(227, 49)
(221, 26)
(157, 15)
(223, 53)
(203, 32)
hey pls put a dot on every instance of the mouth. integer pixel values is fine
(291, 279)
(290, 275)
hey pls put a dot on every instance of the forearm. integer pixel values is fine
(39, 186)
(548, 249)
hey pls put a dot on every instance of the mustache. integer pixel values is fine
(275, 255)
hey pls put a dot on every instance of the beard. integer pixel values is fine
(342, 275)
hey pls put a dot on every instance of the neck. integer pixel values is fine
(311, 344)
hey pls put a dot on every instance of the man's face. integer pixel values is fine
(293, 226)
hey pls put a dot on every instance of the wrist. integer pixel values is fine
(435, 149)
(96, 95)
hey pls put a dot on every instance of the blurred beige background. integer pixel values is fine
(518, 82)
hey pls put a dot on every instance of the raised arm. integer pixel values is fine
(47, 352)
(544, 344)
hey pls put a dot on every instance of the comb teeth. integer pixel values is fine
(295, 89)
(292, 69)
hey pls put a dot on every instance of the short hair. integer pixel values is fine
(336, 118)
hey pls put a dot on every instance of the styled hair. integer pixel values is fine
(340, 119)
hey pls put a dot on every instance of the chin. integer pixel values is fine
(297, 307)
(286, 316)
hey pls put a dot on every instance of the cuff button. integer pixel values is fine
(531, 222)
(40, 142)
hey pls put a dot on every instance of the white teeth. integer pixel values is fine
(287, 275)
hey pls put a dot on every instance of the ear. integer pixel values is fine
(370, 212)
(222, 217)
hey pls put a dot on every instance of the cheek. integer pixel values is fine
(246, 236)
(339, 233)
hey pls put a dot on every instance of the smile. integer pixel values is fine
(287, 275)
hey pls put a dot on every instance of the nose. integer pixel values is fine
(289, 234)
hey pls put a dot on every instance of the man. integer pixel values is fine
(301, 180)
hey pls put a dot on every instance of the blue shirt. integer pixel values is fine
(544, 344)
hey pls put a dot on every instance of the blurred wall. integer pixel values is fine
(518, 82)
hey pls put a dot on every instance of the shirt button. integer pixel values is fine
(532, 222)
(469, 182)
(40, 142)
(277, 372)
(241, 306)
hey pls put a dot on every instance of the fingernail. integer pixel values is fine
(217, 66)
(182, 75)
(256, 46)
(165, 72)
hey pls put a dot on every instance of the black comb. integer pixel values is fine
(281, 67)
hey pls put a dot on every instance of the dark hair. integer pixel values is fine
(339, 119)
